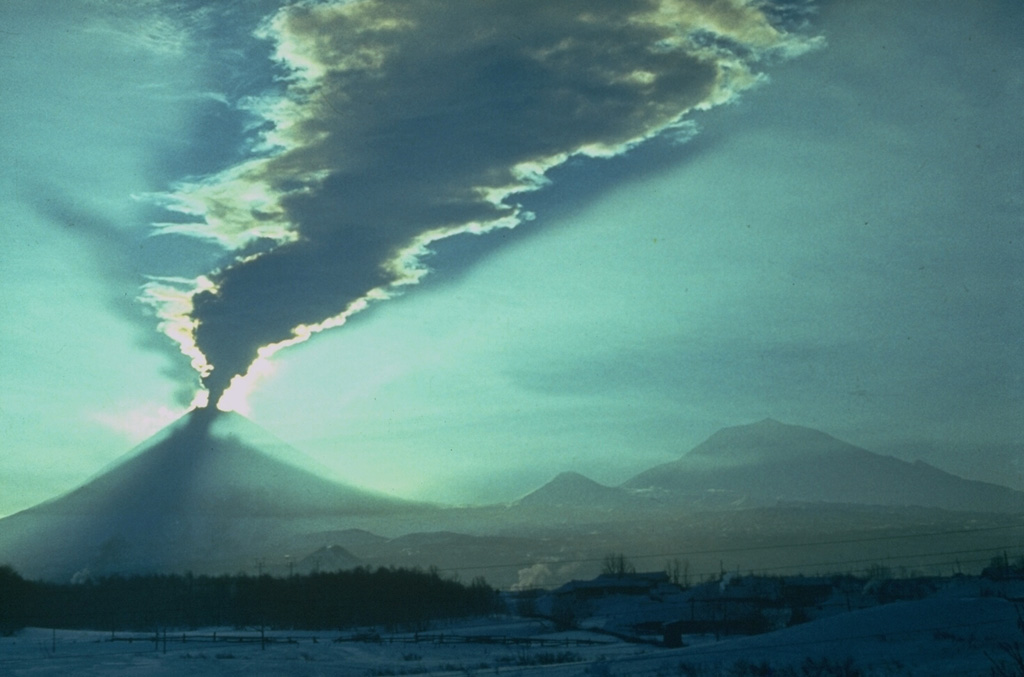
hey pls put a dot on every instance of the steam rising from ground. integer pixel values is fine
(409, 121)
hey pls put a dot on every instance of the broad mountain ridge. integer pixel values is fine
(767, 440)
(214, 493)
(768, 462)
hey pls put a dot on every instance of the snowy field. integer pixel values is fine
(941, 635)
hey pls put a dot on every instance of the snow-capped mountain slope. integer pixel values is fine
(768, 461)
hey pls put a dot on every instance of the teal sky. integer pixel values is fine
(839, 246)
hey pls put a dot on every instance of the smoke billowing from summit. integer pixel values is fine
(408, 121)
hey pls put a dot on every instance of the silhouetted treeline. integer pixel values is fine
(323, 601)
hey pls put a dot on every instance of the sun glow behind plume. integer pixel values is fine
(337, 132)
(236, 396)
(140, 422)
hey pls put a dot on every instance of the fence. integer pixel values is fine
(162, 638)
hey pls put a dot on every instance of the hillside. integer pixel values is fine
(572, 489)
(211, 490)
(768, 462)
(214, 493)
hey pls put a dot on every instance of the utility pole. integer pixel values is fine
(263, 604)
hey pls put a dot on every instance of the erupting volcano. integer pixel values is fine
(210, 492)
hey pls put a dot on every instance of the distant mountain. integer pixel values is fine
(347, 538)
(768, 440)
(574, 489)
(213, 490)
(326, 559)
(768, 462)
(214, 493)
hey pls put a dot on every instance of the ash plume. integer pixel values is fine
(405, 122)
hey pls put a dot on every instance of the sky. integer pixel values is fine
(450, 249)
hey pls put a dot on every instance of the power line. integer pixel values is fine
(756, 548)
(719, 648)
(876, 560)
(845, 637)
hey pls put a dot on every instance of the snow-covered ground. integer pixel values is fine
(954, 632)
(439, 651)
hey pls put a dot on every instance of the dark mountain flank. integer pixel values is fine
(213, 490)
(769, 462)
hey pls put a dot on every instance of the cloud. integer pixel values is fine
(154, 27)
(405, 122)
